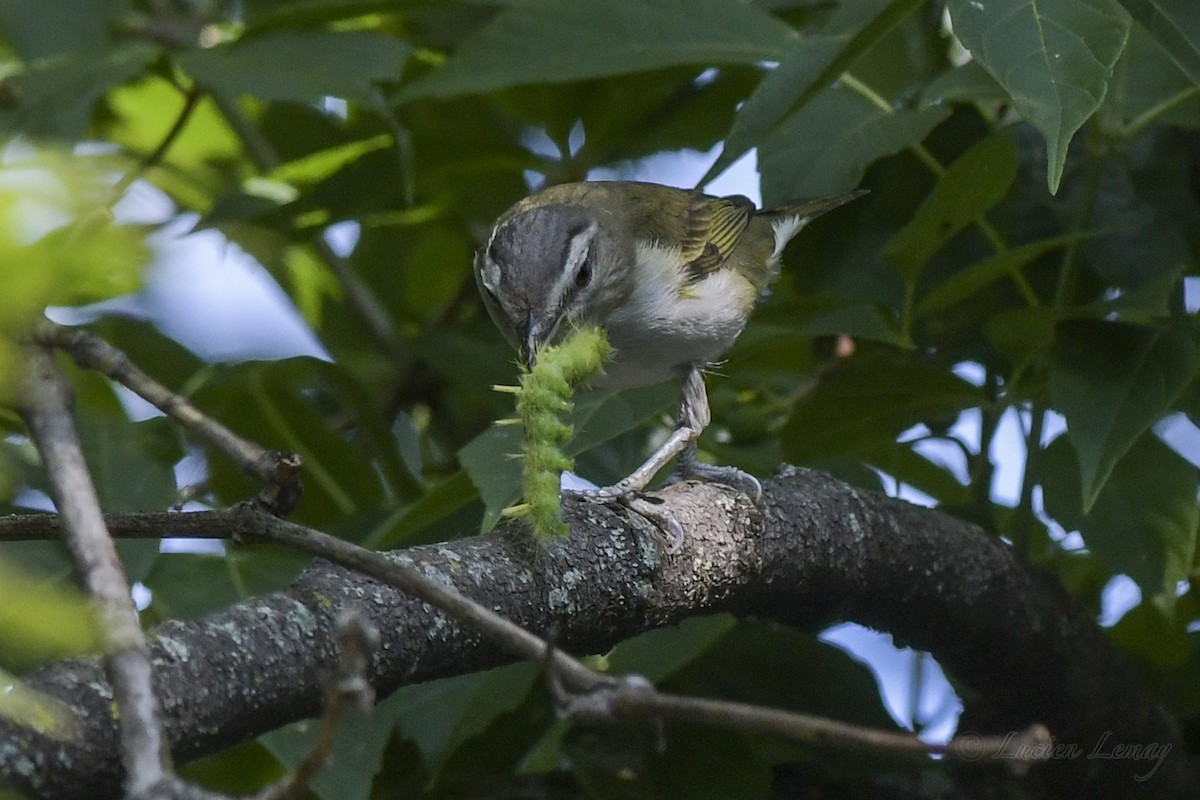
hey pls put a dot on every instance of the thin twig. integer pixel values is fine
(45, 406)
(636, 698)
(279, 471)
(191, 98)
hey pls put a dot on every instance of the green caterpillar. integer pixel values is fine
(543, 398)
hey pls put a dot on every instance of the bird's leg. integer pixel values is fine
(693, 416)
(695, 413)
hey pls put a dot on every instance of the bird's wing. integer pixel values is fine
(715, 226)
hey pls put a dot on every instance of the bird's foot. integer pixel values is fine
(652, 509)
(730, 476)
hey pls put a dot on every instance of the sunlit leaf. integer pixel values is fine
(1054, 57)
(323, 163)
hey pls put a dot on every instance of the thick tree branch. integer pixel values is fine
(816, 552)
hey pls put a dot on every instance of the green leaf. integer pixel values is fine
(492, 462)
(132, 463)
(41, 617)
(295, 405)
(1176, 26)
(448, 497)
(810, 65)
(441, 715)
(55, 99)
(969, 83)
(859, 407)
(75, 26)
(763, 663)
(658, 654)
(548, 41)
(346, 63)
(615, 764)
(240, 572)
(982, 274)
(601, 416)
(1112, 381)
(1148, 85)
(976, 181)
(1023, 332)
(1149, 633)
(1144, 520)
(357, 752)
(317, 166)
(1054, 57)
(826, 315)
(1138, 237)
(826, 147)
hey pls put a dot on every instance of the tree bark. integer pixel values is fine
(815, 551)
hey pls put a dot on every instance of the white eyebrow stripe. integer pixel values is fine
(577, 253)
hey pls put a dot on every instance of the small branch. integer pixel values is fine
(191, 98)
(45, 406)
(632, 697)
(280, 472)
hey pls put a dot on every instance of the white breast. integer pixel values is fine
(661, 330)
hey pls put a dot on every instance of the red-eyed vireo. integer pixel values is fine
(670, 275)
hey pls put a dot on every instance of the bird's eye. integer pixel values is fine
(584, 275)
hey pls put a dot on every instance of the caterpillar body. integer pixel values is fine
(544, 397)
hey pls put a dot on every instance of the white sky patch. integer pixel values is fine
(342, 237)
(937, 708)
(1119, 596)
(1191, 294)
(1180, 434)
(1007, 452)
(685, 168)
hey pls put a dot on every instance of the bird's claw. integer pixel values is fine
(660, 515)
(730, 476)
(656, 512)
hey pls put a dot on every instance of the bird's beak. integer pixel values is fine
(531, 340)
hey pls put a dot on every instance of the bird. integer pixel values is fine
(670, 275)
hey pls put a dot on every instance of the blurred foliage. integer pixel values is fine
(1027, 255)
